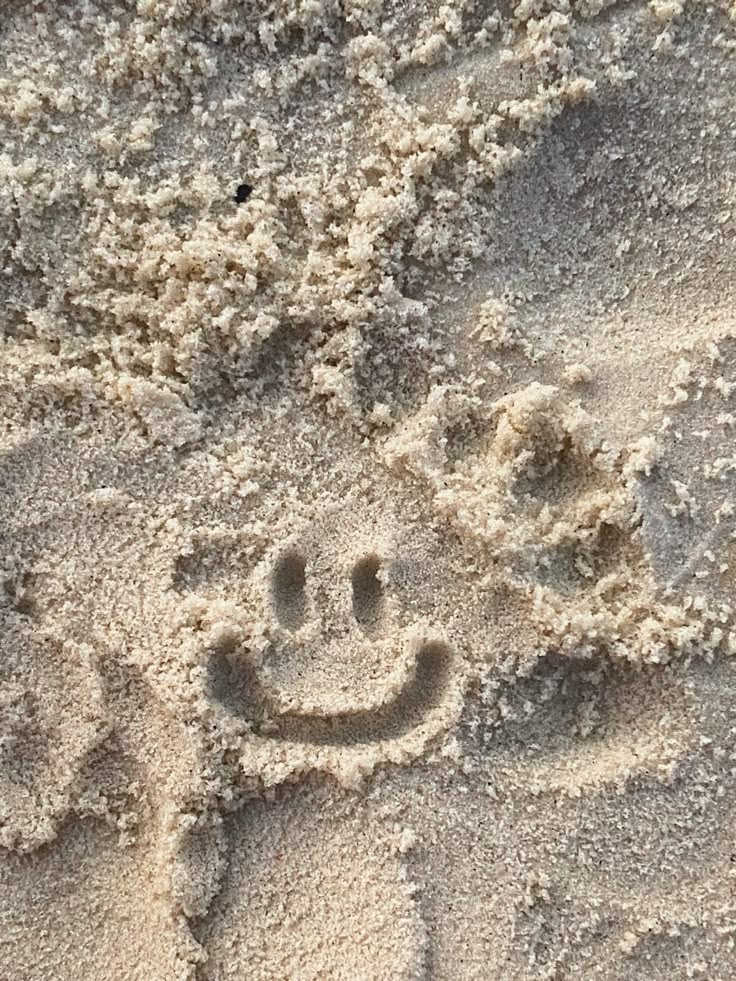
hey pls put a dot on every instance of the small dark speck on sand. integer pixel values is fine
(243, 192)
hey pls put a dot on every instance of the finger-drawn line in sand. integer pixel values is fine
(238, 686)
(288, 588)
(368, 598)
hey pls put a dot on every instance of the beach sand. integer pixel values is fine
(367, 517)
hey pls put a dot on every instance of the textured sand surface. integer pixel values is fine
(367, 471)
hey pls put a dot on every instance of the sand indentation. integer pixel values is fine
(426, 686)
(52, 717)
(579, 723)
(288, 589)
(368, 599)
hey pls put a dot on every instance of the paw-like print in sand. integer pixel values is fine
(330, 664)
(530, 484)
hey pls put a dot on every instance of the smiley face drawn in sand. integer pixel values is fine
(335, 667)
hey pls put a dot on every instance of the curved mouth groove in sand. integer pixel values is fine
(238, 687)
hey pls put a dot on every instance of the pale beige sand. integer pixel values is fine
(367, 544)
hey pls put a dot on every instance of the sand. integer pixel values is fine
(368, 451)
